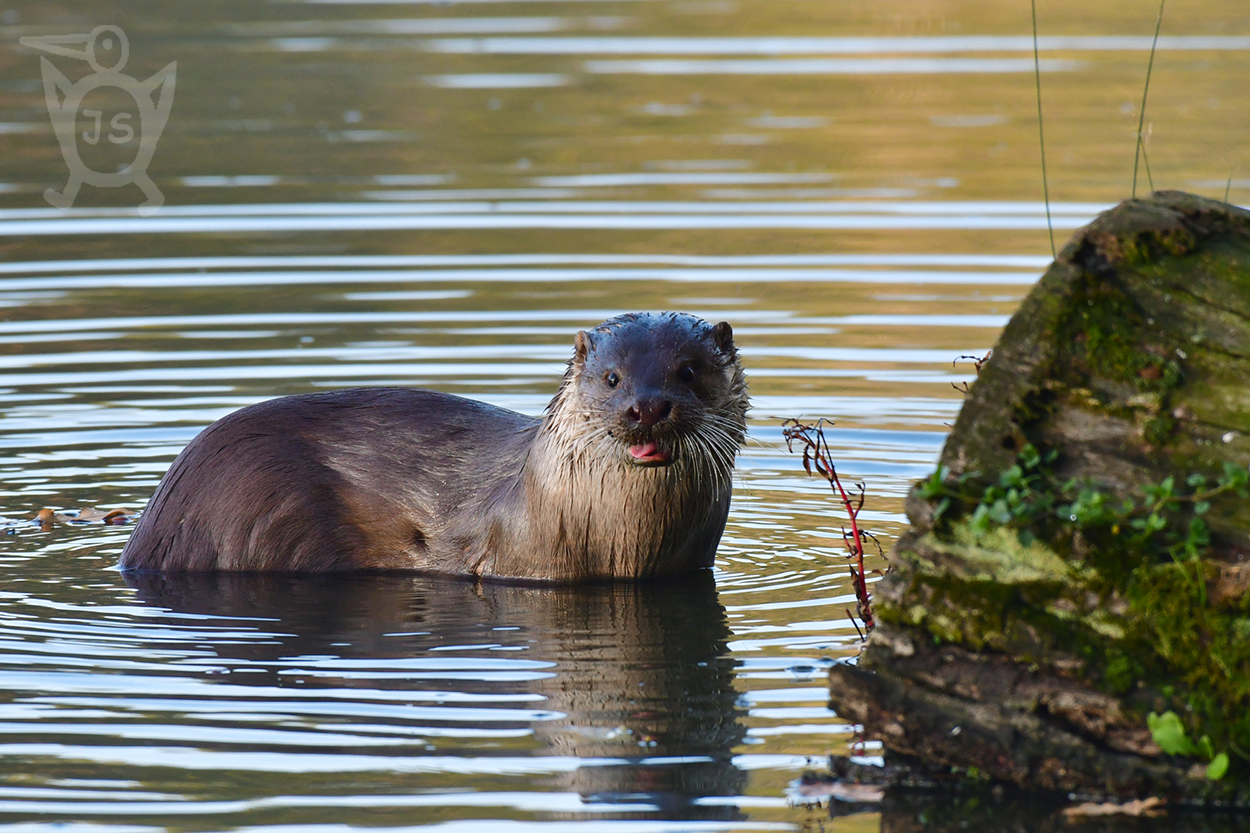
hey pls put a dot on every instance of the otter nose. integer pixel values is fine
(650, 411)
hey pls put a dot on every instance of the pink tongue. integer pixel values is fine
(641, 451)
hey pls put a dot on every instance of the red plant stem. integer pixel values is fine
(858, 549)
(819, 454)
(860, 580)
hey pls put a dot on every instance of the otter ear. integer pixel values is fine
(582, 345)
(723, 335)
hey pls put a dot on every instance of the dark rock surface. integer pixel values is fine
(1082, 558)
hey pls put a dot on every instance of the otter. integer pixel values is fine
(626, 475)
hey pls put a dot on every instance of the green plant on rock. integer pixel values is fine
(1166, 521)
(1120, 582)
(1169, 733)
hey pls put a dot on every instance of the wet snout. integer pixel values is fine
(649, 410)
(647, 417)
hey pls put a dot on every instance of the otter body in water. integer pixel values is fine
(626, 475)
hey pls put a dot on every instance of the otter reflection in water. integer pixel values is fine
(620, 677)
(626, 475)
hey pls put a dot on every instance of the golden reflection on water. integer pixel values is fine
(303, 101)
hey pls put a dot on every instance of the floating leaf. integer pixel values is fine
(47, 517)
(1141, 807)
(119, 516)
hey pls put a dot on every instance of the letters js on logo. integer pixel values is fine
(152, 100)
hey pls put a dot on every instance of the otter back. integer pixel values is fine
(626, 475)
(350, 480)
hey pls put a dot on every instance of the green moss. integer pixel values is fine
(1107, 334)
(1158, 428)
(1164, 639)
(989, 590)
(1121, 673)
(1040, 569)
(1105, 625)
(1204, 651)
(998, 556)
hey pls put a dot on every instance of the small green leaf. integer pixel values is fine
(1169, 733)
(1196, 480)
(1026, 538)
(1218, 766)
(935, 485)
(1029, 456)
(999, 512)
(979, 523)
(1202, 507)
(1011, 476)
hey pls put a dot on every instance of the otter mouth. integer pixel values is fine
(649, 454)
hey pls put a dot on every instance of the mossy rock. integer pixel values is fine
(1131, 354)
(1127, 372)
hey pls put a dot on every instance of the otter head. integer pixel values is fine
(652, 389)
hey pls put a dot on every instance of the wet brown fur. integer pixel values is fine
(410, 479)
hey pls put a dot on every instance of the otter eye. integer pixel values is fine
(612, 379)
(686, 373)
